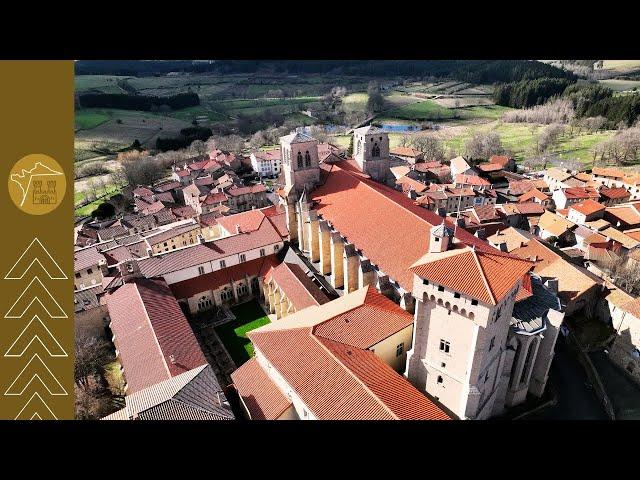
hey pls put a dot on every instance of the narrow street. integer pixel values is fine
(576, 399)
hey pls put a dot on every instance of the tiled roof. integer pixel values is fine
(167, 186)
(314, 369)
(490, 167)
(405, 152)
(474, 180)
(153, 337)
(184, 212)
(533, 193)
(411, 184)
(218, 278)
(460, 164)
(530, 208)
(620, 237)
(366, 325)
(579, 193)
(614, 193)
(485, 213)
(262, 397)
(512, 237)
(626, 213)
(557, 174)
(587, 207)
(345, 199)
(86, 257)
(87, 299)
(554, 224)
(608, 172)
(633, 307)
(237, 191)
(192, 395)
(142, 192)
(273, 154)
(488, 276)
(501, 160)
(634, 233)
(248, 221)
(572, 280)
(427, 166)
(213, 198)
(296, 285)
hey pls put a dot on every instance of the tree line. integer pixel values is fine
(126, 101)
(187, 137)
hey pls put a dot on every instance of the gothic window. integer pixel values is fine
(359, 146)
(399, 349)
(375, 151)
(307, 159)
(299, 159)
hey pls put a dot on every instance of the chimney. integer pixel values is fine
(238, 229)
(460, 222)
(481, 234)
(552, 285)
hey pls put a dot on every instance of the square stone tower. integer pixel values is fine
(300, 162)
(371, 152)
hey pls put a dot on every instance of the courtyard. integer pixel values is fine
(233, 334)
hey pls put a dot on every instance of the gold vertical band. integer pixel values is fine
(36, 322)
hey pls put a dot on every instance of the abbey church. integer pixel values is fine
(485, 326)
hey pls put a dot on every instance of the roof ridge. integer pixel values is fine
(353, 375)
(474, 254)
(153, 331)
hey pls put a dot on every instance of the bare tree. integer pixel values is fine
(430, 146)
(483, 145)
(198, 147)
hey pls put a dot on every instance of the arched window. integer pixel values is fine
(307, 159)
(375, 151)
(299, 159)
(359, 147)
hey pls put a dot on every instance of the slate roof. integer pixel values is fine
(192, 395)
(530, 315)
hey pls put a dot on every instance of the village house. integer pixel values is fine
(555, 178)
(578, 289)
(585, 211)
(89, 266)
(505, 162)
(613, 196)
(459, 166)
(356, 343)
(241, 199)
(623, 217)
(267, 163)
(173, 238)
(565, 197)
(552, 225)
(535, 195)
(90, 313)
(408, 154)
(471, 181)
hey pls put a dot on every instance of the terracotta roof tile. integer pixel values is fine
(488, 276)
(261, 396)
(614, 193)
(153, 337)
(587, 207)
(345, 199)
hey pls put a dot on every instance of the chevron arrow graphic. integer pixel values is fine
(35, 291)
(35, 409)
(36, 370)
(35, 253)
(36, 330)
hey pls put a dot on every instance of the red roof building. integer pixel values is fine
(152, 336)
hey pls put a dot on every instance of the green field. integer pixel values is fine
(101, 83)
(91, 118)
(89, 208)
(618, 85)
(233, 335)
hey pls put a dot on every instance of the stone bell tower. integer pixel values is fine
(371, 152)
(300, 164)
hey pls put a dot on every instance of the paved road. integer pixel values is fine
(576, 401)
(623, 392)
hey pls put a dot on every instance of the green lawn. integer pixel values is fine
(89, 208)
(233, 335)
(87, 119)
(420, 111)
